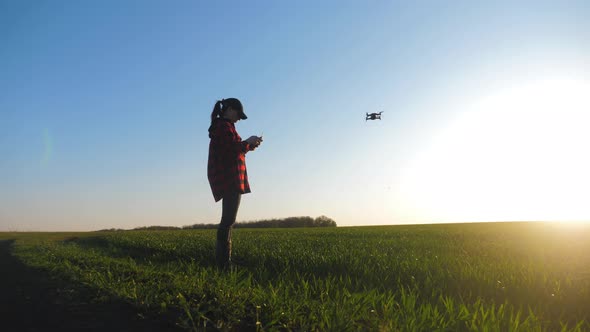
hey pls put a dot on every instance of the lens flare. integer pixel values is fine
(519, 154)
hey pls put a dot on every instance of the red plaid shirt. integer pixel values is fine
(226, 167)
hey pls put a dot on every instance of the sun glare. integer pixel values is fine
(519, 154)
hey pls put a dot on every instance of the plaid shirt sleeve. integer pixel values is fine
(229, 140)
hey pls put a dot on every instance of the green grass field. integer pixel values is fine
(451, 277)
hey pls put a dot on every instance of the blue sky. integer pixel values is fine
(105, 107)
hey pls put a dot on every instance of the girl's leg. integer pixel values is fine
(231, 203)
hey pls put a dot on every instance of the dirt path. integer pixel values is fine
(31, 301)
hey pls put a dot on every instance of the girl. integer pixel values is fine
(227, 169)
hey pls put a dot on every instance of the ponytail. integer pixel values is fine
(217, 111)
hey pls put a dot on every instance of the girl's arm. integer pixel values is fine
(230, 141)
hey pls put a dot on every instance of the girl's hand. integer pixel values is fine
(254, 140)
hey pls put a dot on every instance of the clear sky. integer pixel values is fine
(105, 105)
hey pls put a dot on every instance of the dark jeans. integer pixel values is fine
(231, 203)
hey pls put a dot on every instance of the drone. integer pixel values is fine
(373, 116)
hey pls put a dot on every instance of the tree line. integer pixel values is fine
(289, 222)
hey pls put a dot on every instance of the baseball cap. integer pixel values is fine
(235, 104)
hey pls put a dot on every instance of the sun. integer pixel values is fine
(521, 153)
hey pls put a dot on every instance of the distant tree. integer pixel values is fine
(323, 221)
(111, 230)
